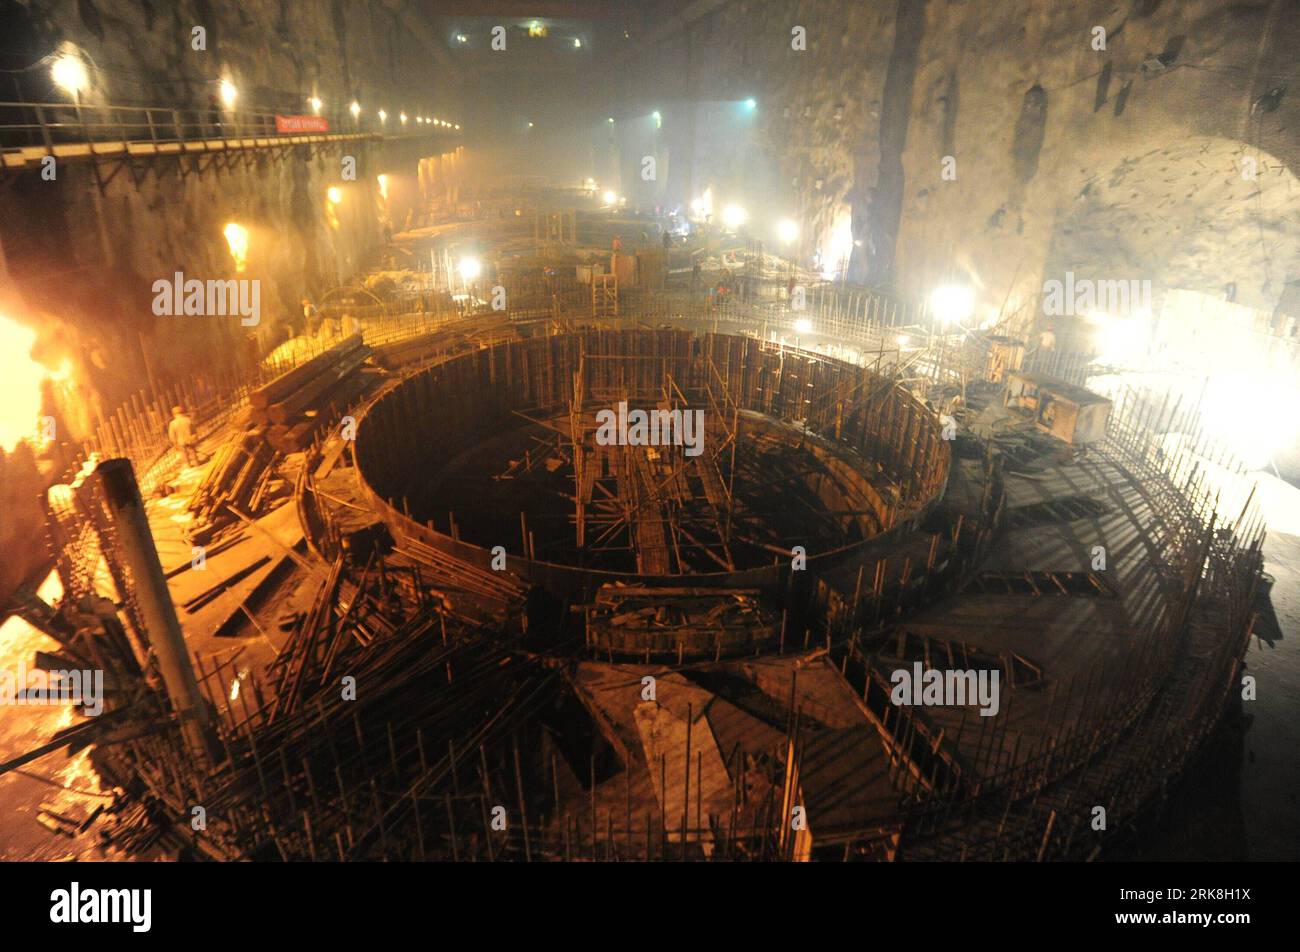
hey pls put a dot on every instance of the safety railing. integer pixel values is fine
(59, 127)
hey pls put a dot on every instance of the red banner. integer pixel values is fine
(301, 124)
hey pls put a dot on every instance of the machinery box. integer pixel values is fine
(1070, 413)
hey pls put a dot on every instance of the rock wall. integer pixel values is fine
(23, 547)
(1040, 126)
(81, 252)
(84, 250)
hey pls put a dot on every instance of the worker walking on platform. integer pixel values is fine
(310, 317)
(214, 116)
(180, 433)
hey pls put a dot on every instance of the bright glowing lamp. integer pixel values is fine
(23, 377)
(355, 109)
(803, 325)
(469, 268)
(315, 104)
(609, 198)
(334, 194)
(733, 216)
(70, 73)
(237, 240)
(952, 303)
(787, 230)
(228, 93)
(401, 117)
(383, 116)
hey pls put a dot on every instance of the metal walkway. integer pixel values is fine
(29, 132)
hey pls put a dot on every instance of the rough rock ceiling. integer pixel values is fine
(1186, 216)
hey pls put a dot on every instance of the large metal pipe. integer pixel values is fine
(149, 587)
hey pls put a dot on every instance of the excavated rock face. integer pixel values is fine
(81, 252)
(85, 252)
(1127, 159)
(22, 527)
(1184, 216)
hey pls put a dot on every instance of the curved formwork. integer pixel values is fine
(749, 451)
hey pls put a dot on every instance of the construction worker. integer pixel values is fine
(214, 116)
(310, 317)
(180, 433)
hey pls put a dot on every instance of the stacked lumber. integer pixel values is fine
(240, 475)
(294, 405)
(418, 349)
(444, 342)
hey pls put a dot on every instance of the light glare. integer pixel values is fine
(952, 303)
(733, 216)
(237, 240)
(70, 73)
(23, 376)
(469, 268)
